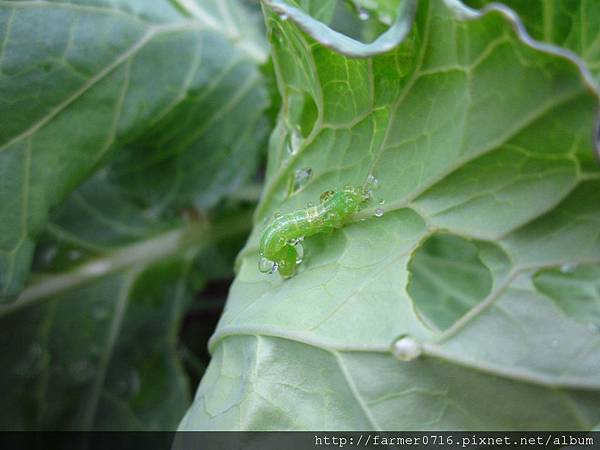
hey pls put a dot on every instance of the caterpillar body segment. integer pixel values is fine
(279, 239)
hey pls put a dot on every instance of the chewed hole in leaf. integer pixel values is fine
(575, 290)
(447, 279)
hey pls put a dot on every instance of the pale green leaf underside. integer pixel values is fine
(176, 80)
(473, 132)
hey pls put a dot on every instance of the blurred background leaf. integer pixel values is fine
(164, 108)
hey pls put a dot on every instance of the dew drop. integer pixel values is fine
(381, 202)
(284, 17)
(301, 178)
(372, 181)
(274, 268)
(296, 241)
(294, 141)
(48, 255)
(568, 268)
(406, 348)
(363, 14)
(276, 214)
(378, 212)
(265, 265)
(299, 252)
(385, 19)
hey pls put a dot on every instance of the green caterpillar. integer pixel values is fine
(278, 242)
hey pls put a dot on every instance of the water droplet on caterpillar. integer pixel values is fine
(406, 348)
(274, 268)
(378, 212)
(301, 178)
(385, 19)
(299, 252)
(296, 241)
(363, 14)
(265, 265)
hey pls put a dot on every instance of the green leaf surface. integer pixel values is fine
(172, 87)
(573, 24)
(473, 131)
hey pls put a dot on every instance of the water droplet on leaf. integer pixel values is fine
(372, 181)
(378, 212)
(568, 268)
(301, 178)
(294, 140)
(406, 348)
(48, 254)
